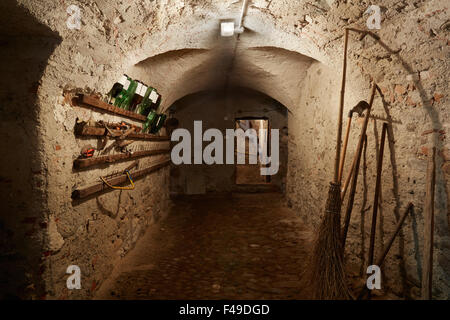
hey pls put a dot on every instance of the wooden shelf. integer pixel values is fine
(84, 163)
(93, 102)
(82, 129)
(99, 187)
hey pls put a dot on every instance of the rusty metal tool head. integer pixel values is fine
(359, 108)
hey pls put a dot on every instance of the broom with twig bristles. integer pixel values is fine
(328, 272)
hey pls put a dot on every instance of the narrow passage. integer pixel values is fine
(241, 246)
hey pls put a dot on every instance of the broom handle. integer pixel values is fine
(341, 111)
(349, 176)
(355, 169)
(377, 195)
(344, 149)
(427, 275)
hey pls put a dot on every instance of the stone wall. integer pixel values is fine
(25, 50)
(44, 230)
(94, 233)
(412, 78)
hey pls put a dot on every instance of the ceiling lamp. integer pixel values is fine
(228, 29)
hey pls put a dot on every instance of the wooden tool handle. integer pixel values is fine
(341, 111)
(427, 271)
(355, 169)
(377, 195)
(344, 149)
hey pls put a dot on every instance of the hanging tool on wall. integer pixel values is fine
(87, 151)
(118, 187)
(85, 193)
(127, 172)
(119, 137)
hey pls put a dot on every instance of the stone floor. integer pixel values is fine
(241, 246)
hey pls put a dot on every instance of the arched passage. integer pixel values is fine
(222, 109)
(290, 51)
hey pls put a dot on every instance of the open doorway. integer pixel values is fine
(250, 173)
(230, 106)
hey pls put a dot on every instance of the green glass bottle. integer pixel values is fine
(157, 125)
(148, 103)
(125, 104)
(138, 96)
(116, 89)
(155, 99)
(151, 118)
(141, 106)
(121, 95)
(144, 105)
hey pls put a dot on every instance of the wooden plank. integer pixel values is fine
(82, 129)
(84, 163)
(93, 102)
(99, 187)
(427, 270)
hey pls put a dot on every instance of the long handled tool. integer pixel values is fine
(355, 170)
(377, 195)
(394, 235)
(349, 177)
(389, 244)
(328, 271)
(351, 199)
(359, 109)
(427, 274)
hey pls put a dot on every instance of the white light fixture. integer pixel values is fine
(227, 29)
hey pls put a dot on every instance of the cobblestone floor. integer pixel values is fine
(244, 246)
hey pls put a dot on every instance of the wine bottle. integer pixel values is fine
(116, 88)
(144, 105)
(137, 99)
(125, 104)
(151, 118)
(149, 101)
(157, 125)
(155, 99)
(121, 95)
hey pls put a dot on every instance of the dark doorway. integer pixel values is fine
(249, 173)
